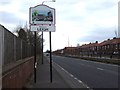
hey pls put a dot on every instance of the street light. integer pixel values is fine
(48, 1)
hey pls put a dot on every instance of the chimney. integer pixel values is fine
(96, 42)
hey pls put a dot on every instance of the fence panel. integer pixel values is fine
(1, 45)
(1, 53)
(13, 48)
(8, 47)
(18, 49)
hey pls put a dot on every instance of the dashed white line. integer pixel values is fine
(62, 68)
(100, 69)
(66, 71)
(75, 78)
(79, 81)
(72, 76)
(106, 64)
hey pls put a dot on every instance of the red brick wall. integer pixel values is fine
(17, 77)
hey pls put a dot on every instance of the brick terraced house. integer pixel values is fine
(109, 49)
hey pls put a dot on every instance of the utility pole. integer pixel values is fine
(68, 42)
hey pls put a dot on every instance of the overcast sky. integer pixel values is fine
(77, 21)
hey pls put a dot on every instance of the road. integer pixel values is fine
(93, 74)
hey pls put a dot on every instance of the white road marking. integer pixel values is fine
(62, 68)
(66, 71)
(75, 78)
(79, 81)
(106, 64)
(100, 69)
(72, 75)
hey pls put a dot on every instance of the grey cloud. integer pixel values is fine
(102, 30)
(70, 17)
(100, 6)
(93, 38)
(8, 18)
(98, 34)
(4, 2)
(107, 4)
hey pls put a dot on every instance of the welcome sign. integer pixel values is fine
(42, 14)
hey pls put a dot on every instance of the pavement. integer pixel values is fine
(60, 77)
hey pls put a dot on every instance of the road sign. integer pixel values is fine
(42, 14)
(42, 18)
(42, 28)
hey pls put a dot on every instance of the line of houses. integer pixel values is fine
(109, 48)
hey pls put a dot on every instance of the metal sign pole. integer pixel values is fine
(50, 59)
(42, 47)
(35, 57)
(44, 26)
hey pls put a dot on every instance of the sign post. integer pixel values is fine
(42, 19)
(50, 58)
(35, 56)
(42, 47)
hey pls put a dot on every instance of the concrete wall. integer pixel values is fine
(9, 47)
(1, 53)
(1, 45)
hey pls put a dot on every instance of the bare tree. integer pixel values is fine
(28, 36)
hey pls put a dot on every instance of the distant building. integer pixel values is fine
(58, 52)
(89, 49)
(71, 50)
(108, 48)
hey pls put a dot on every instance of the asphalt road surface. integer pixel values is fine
(93, 74)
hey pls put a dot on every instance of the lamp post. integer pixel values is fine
(48, 1)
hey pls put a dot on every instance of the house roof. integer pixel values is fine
(90, 45)
(70, 47)
(106, 42)
(112, 41)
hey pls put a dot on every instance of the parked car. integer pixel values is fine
(47, 54)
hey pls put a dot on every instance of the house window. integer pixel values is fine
(105, 47)
(116, 46)
(119, 45)
(111, 46)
